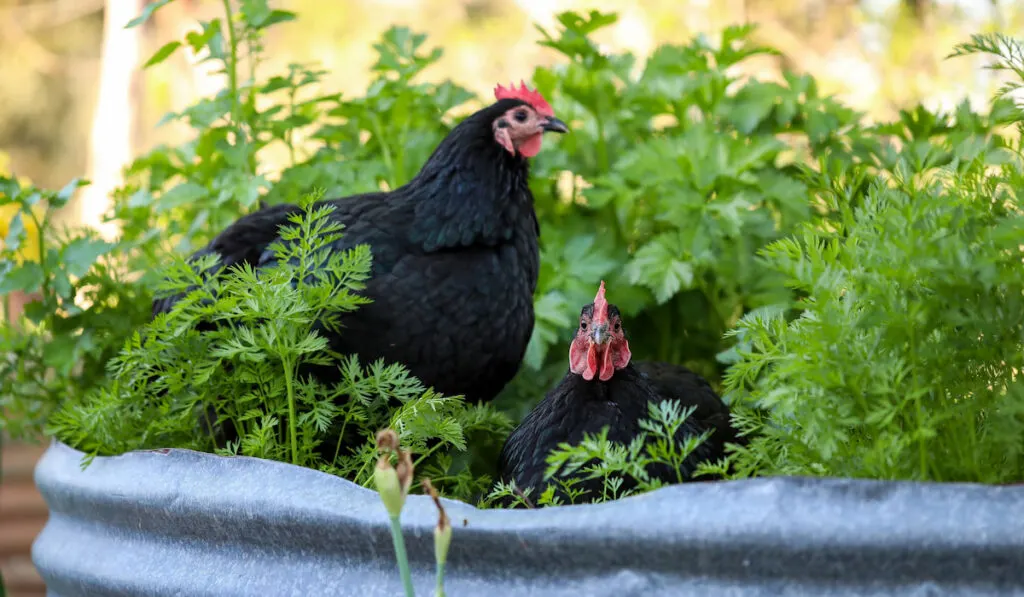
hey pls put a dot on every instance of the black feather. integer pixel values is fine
(576, 407)
(455, 264)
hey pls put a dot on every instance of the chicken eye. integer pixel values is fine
(583, 325)
(521, 116)
(617, 326)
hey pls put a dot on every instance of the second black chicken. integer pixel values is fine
(604, 388)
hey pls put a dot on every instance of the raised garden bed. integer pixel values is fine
(178, 522)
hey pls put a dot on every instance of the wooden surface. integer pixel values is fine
(22, 509)
(22, 516)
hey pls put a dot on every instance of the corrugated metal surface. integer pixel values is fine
(183, 523)
(22, 516)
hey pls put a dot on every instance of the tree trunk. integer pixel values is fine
(110, 143)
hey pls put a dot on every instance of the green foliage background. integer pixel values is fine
(855, 290)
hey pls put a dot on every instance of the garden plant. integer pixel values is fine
(855, 290)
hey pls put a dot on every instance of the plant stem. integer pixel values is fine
(210, 424)
(921, 448)
(439, 589)
(602, 145)
(255, 49)
(341, 435)
(974, 450)
(41, 242)
(233, 75)
(388, 162)
(400, 555)
(290, 133)
(427, 453)
(288, 372)
(400, 158)
(362, 468)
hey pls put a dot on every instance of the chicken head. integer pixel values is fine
(600, 347)
(522, 127)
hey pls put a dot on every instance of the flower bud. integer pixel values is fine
(442, 539)
(388, 486)
(392, 482)
(443, 530)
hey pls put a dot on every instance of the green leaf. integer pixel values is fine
(657, 266)
(65, 194)
(586, 25)
(27, 277)
(31, 198)
(140, 198)
(277, 16)
(183, 194)
(15, 231)
(275, 83)
(752, 105)
(60, 354)
(151, 7)
(62, 286)
(80, 254)
(588, 260)
(162, 54)
(199, 40)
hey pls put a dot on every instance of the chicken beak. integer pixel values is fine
(554, 125)
(599, 334)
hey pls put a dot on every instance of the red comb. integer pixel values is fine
(600, 306)
(530, 96)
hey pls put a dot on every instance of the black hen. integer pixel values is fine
(603, 388)
(455, 255)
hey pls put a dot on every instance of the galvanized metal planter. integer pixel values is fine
(179, 523)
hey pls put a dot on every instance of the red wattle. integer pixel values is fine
(622, 353)
(531, 146)
(607, 367)
(588, 373)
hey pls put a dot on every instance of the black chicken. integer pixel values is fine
(455, 254)
(603, 388)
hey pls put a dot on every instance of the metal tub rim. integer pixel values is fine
(191, 523)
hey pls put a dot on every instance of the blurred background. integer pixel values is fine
(74, 100)
(875, 55)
